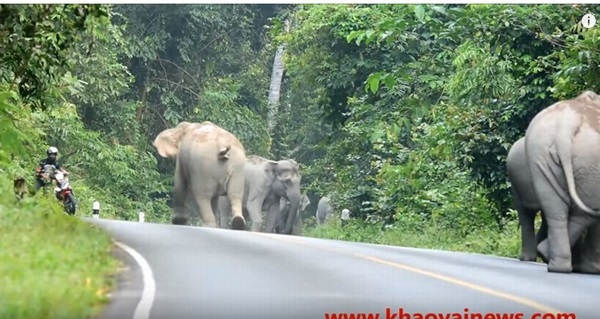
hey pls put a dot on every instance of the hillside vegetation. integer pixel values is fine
(404, 113)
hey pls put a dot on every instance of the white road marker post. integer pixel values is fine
(345, 216)
(96, 209)
(142, 217)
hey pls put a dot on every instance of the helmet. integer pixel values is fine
(52, 150)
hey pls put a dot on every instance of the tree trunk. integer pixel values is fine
(275, 87)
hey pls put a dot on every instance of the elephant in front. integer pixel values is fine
(586, 251)
(266, 182)
(563, 155)
(209, 162)
(285, 210)
(323, 209)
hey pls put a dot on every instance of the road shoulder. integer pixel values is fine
(128, 289)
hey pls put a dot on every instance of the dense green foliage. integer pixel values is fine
(404, 113)
(424, 101)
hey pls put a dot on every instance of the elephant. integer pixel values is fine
(284, 209)
(323, 209)
(586, 252)
(209, 162)
(524, 200)
(561, 147)
(266, 182)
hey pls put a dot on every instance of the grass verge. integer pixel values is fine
(51, 265)
(504, 242)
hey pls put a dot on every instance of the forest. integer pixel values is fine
(404, 114)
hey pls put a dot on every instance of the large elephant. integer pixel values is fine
(266, 182)
(323, 209)
(563, 154)
(586, 251)
(209, 163)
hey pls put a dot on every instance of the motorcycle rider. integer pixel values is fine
(50, 160)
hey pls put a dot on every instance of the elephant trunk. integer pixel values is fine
(294, 198)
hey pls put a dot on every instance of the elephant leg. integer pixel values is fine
(579, 253)
(254, 208)
(528, 243)
(586, 255)
(297, 230)
(542, 232)
(214, 203)
(272, 217)
(206, 211)
(224, 212)
(254, 205)
(235, 194)
(281, 219)
(577, 223)
(541, 235)
(287, 220)
(556, 249)
(180, 196)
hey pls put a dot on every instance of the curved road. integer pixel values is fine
(185, 272)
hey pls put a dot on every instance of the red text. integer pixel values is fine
(401, 314)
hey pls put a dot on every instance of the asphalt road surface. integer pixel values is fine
(182, 272)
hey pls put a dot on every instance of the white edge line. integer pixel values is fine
(142, 311)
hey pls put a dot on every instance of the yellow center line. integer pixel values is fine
(520, 300)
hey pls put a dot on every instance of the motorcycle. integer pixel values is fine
(63, 190)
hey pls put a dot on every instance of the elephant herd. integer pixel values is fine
(225, 185)
(555, 169)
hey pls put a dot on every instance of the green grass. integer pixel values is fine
(51, 265)
(504, 242)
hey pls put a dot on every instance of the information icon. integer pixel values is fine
(588, 20)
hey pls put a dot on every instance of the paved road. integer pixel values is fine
(194, 272)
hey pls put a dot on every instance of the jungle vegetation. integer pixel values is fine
(405, 113)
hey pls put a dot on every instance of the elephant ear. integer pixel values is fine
(167, 142)
(278, 170)
(295, 166)
(285, 172)
(271, 168)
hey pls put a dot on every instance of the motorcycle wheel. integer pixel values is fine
(70, 205)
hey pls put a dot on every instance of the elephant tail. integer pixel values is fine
(224, 152)
(224, 146)
(564, 146)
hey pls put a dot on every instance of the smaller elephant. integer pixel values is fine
(323, 209)
(209, 162)
(525, 200)
(266, 182)
(284, 208)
